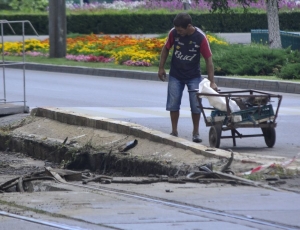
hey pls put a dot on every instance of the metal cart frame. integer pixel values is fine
(227, 122)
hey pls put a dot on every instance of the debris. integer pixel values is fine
(207, 168)
(5, 184)
(199, 174)
(68, 175)
(55, 174)
(128, 145)
(176, 181)
(163, 177)
(279, 182)
(20, 185)
(216, 180)
(105, 181)
(259, 168)
(272, 179)
(263, 167)
(135, 181)
(98, 178)
(65, 141)
(244, 181)
(226, 167)
(20, 181)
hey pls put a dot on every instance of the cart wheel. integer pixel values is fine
(270, 136)
(215, 136)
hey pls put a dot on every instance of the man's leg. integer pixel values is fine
(194, 103)
(196, 121)
(174, 120)
(175, 89)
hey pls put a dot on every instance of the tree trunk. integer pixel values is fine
(273, 24)
(57, 28)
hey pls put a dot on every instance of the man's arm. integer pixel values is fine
(163, 58)
(210, 72)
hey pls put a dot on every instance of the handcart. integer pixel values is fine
(256, 111)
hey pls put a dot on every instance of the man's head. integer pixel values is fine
(183, 24)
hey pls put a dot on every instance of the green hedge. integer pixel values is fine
(135, 23)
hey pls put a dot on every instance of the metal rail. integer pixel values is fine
(40, 222)
(3, 64)
(180, 205)
(152, 199)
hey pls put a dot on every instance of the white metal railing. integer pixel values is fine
(3, 64)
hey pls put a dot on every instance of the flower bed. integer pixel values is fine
(126, 50)
(171, 5)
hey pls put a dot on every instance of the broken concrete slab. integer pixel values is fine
(8, 109)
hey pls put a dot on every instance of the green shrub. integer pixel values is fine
(29, 5)
(138, 22)
(290, 71)
(254, 60)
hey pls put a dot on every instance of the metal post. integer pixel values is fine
(4, 87)
(24, 80)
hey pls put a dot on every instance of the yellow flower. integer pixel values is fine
(212, 39)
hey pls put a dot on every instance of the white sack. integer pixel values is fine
(217, 102)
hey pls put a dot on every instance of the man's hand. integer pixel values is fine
(214, 86)
(162, 74)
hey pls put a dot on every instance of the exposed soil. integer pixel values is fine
(17, 164)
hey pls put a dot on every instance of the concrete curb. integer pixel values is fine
(127, 128)
(264, 85)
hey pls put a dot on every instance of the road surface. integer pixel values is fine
(143, 102)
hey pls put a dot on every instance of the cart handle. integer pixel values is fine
(197, 90)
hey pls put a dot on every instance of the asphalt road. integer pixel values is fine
(143, 102)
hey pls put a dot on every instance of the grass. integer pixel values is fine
(276, 171)
(63, 61)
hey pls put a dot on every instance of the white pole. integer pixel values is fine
(81, 2)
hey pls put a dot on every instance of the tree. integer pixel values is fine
(57, 28)
(273, 24)
(29, 5)
(272, 15)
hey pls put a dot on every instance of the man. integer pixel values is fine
(187, 4)
(189, 42)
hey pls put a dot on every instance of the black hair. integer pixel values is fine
(182, 20)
